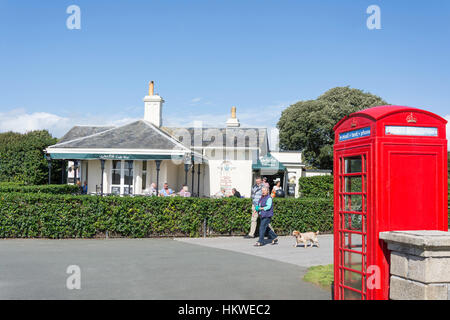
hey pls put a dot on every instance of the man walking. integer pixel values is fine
(256, 196)
(265, 210)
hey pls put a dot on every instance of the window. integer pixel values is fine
(116, 168)
(128, 177)
(121, 177)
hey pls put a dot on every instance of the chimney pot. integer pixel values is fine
(151, 88)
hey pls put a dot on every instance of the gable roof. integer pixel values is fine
(83, 131)
(136, 135)
(257, 137)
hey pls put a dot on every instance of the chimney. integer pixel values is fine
(151, 88)
(233, 121)
(153, 106)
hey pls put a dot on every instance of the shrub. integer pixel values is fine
(317, 186)
(22, 157)
(52, 188)
(25, 215)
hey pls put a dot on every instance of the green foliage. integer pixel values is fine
(308, 125)
(53, 188)
(25, 215)
(22, 157)
(317, 186)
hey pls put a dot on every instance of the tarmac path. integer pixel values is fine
(157, 269)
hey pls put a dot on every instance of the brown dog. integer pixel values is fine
(305, 237)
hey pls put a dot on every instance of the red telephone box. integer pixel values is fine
(390, 173)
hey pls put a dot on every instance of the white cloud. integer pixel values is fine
(18, 120)
(195, 100)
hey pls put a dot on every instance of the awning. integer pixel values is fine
(58, 155)
(268, 162)
(90, 156)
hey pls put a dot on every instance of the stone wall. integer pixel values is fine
(420, 264)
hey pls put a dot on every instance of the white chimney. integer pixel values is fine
(153, 106)
(233, 121)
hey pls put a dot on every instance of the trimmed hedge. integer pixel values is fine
(65, 216)
(316, 186)
(7, 187)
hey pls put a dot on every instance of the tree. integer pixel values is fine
(22, 158)
(308, 125)
(448, 162)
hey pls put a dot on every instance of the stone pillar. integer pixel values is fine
(419, 264)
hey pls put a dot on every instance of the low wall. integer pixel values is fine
(420, 264)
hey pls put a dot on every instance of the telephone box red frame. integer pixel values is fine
(390, 173)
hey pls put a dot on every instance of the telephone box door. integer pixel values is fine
(350, 223)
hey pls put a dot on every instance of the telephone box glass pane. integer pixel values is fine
(353, 184)
(353, 280)
(351, 295)
(353, 165)
(353, 241)
(353, 222)
(353, 202)
(353, 260)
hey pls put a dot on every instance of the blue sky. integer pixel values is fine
(206, 56)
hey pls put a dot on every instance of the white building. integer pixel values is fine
(128, 158)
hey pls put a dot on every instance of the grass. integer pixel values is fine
(320, 275)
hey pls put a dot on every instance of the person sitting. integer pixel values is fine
(152, 191)
(184, 192)
(221, 193)
(166, 191)
(85, 188)
(80, 188)
(235, 193)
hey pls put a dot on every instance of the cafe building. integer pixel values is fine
(127, 159)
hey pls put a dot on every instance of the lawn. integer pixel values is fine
(320, 275)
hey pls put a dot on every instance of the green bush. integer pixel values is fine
(52, 188)
(316, 187)
(25, 215)
(22, 157)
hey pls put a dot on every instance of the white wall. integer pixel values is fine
(312, 173)
(238, 175)
(294, 157)
(94, 178)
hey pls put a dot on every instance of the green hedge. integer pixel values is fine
(6, 187)
(316, 186)
(64, 216)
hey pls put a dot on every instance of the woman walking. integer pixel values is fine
(265, 210)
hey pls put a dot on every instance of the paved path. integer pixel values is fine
(146, 269)
(284, 251)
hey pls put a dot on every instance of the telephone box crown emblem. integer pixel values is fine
(411, 118)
